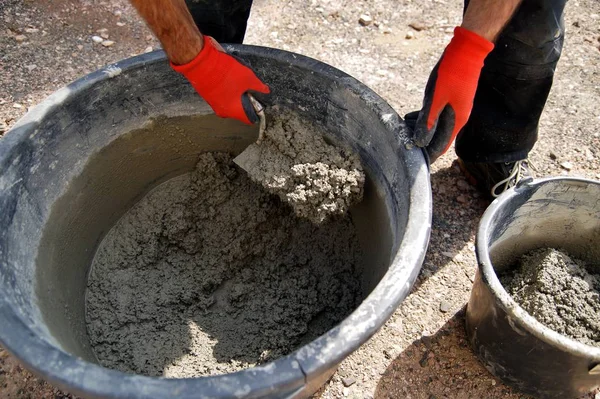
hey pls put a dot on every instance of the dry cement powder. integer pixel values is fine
(559, 292)
(210, 274)
(295, 162)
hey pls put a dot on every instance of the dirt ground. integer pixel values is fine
(421, 352)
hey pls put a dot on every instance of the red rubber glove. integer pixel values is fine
(223, 82)
(450, 92)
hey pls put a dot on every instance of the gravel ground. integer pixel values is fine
(421, 352)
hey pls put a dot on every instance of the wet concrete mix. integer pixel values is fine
(315, 178)
(211, 273)
(560, 291)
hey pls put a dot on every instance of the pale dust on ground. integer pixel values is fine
(393, 363)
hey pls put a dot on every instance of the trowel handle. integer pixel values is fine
(260, 111)
(258, 107)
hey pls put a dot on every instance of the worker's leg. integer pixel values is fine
(225, 20)
(514, 85)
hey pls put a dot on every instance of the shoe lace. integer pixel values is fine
(518, 171)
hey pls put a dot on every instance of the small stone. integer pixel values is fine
(349, 381)
(31, 67)
(471, 277)
(17, 106)
(444, 306)
(388, 353)
(448, 254)
(97, 39)
(104, 35)
(3, 127)
(552, 156)
(31, 30)
(566, 165)
(102, 30)
(396, 326)
(118, 13)
(149, 37)
(417, 26)
(409, 35)
(427, 341)
(365, 20)
(462, 199)
(20, 38)
(79, 47)
(148, 49)
(346, 391)
(463, 185)
(108, 43)
(424, 362)
(120, 23)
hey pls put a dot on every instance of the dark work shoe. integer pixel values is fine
(495, 178)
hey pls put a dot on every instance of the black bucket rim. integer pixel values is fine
(294, 370)
(490, 278)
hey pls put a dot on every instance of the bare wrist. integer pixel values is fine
(483, 31)
(487, 18)
(180, 54)
(174, 26)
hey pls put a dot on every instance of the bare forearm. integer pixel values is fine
(174, 26)
(487, 18)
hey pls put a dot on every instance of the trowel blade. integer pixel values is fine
(249, 158)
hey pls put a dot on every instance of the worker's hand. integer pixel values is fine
(449, 93)
(223, 82)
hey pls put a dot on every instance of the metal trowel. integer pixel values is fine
(249, 158)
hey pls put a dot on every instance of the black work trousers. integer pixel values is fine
(514, 85)
(512, 89)
(225, 20)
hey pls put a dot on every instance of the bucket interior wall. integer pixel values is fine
(561, 214)
(93, 153)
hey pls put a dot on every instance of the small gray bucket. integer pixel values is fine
(555, 212)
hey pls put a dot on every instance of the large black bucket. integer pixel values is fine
(64, 182)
